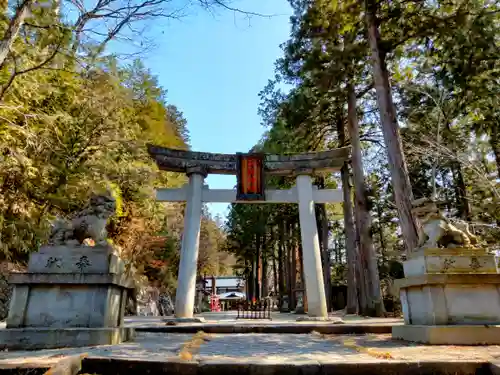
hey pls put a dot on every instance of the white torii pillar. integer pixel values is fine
(313, 269)
(195, 193)
(186, 280)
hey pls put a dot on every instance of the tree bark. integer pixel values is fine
(265, 278)
(293, 270)
(353, 298)
(291, 261)
(258, 267)
(363, 219)
(251, 283)
(463, 204)
(383, 247)
(390, 129)
(13, 29)
(283, 261)
(325, 254)
(495, 144)
(300, 250)
(275, 274)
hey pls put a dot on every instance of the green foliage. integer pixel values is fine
(72, 124)
(443, 64)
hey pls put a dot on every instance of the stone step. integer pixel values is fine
(105, 366)
(273, 328)
(112, 366)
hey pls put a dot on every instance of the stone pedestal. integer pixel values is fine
(70, 296)
(450, 296)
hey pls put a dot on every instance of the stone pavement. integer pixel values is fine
(229, 318)
(235, 352)
(261, 349)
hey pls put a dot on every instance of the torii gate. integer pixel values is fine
(251, 170)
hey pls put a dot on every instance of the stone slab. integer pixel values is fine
(69, 306)
(448, 252)
(344, 354)
(332, 320)
(442, 279)
(52, 338)
(449, 334)
(76, 259)
(173, 321)
(249, 367)
(273, 328)
(450, 264)
(122, 280)
(442, 299)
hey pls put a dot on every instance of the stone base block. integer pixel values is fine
(53, 338)
(173, 321)
(448, 335)
(450, 261)
(441, 299)
(76, 259)
(68, 300)
(332, 320)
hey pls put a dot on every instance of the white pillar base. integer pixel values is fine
(313, 270)
(186, 280)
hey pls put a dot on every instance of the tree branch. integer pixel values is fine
(16, 73)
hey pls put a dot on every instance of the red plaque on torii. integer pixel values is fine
(250, 177)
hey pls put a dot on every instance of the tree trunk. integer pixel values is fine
(390, 129)
(363, 218)
(293, 270)
(325, 254)
(283, 261)
(383, 247)
(259, 268)
(495, 144)
(355, 296)
(265, 278)
(463, 204)
(290, 266)
(275, 270)
(251, 283)
(300, 264)
(353, 299)
(13, 29)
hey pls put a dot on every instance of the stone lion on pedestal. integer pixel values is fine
(438, 230)
(86, 227)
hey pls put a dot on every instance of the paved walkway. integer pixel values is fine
(262, 349)
(229, 318)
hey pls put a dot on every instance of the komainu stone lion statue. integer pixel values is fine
(86, 226)
(438, 230)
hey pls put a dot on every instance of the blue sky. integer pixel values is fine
(213, 67)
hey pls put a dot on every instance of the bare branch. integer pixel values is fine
(15, 25)
(207, 4)
(16, 73)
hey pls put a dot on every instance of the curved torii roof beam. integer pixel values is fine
(174, 160)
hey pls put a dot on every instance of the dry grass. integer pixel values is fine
(191, 346)
(351, 344)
